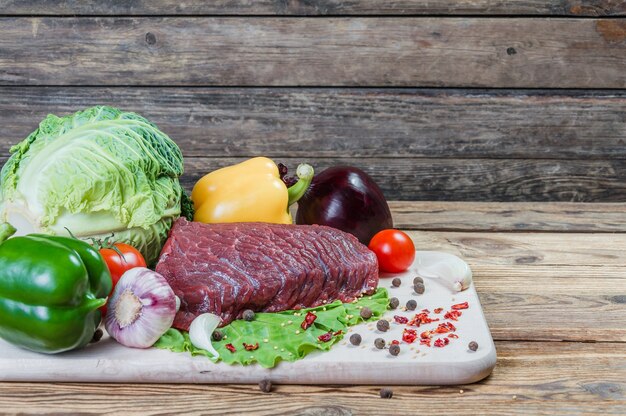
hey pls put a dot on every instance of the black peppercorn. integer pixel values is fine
(473, 345)
(366, 313)
(419, 288)
(97, 336)
(411, 305)
(355, 339)
(379, 343)
(418, 280)
(382, 325)
(396, 282)
(394, 349)
(265, 385)
(217, 336)
(393, 303)
(386, 393)
(248, 315)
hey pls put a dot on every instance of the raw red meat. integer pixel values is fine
(227, 268)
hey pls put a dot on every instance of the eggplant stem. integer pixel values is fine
(305, 174)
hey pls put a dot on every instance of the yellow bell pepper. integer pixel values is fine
(251, 191)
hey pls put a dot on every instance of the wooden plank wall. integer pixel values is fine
(453, 100)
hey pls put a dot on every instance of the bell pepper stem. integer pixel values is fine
(305, 176)
(6, 231)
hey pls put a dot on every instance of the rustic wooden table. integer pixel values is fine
(552, 281)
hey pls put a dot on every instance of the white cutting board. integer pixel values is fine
(107, 361)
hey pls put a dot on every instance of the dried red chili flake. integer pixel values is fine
(438, 310)
(458, 306)
(308, 320)
(426, 335)
(395, 342)
(421, 318)
(409, 335)
(425, 341)
(249, 347)
(445, 327)
(325, 337)
(441, 342)
(453, 336)
(230, 347)
(453, 315)
(400, 319)
(425, 311)
(338, 333)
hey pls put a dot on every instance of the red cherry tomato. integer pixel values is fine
(118, 264)
(394, 249)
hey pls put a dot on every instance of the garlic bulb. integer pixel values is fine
(142, 308)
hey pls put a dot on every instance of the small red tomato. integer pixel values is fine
(394, 249)
(118, 264)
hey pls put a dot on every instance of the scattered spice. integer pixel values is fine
(453, 336)
(386, 393)
(230, 347)
(366, 313)
(308, 320)
(325, 337)
(421, 319)
(382, 325)
(409, 335)
(441, 342)
(425, 311)
(458, 306)
(444, 328)
(396, 282)
(438, 310)
(453, 315)
(265, 386)
(250, 347)
(379, 343)
(393, 303)
(400, 319)
(217, 335)
(425, 341)
(395, 342)
(419, 288)
(97, 336)
(394, 349)
(418, 280)
(473, 346)
(355, 339)
(248, 315)
(411, 305)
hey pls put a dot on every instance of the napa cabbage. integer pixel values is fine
(96, 172)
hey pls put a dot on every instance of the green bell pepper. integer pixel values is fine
(50, 290)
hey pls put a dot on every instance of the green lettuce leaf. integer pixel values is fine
(279, 334)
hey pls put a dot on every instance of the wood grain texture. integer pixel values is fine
(316, 7)
(291, 122)
(530, 378)
(517, 216)
(440, 52)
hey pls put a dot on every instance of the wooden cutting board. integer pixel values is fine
(108, 361)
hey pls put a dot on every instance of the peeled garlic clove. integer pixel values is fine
(201, 330)
(450, 269)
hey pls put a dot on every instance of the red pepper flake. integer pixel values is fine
(338, 333)
(425, 311)
(308, 320)
(400, 319)
(445, 327)
(230, 347)
(395, 342)
(425, 341)
(249, 347)
(453, 336)
(409, 335)
(458, 306)
(441, 342)
(421, 318)
(453, 315)
(438, 310)
(325, 337)
(426, 335)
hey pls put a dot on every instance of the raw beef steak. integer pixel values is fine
(227, 268)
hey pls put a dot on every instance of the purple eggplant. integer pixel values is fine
(346, 198)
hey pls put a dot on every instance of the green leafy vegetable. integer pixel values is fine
(97, 171)
(279, 335)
